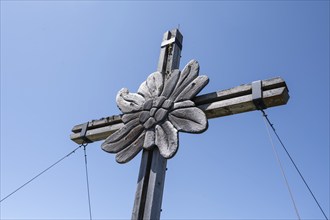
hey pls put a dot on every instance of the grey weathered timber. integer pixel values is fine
(149, 192)
(154, 195)
(160, 109)
(166, 138)
(141, 119)
(143, 181)
(217, 104)
(170, 53)
(191, 120)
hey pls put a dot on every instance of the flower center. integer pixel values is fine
(155, 111)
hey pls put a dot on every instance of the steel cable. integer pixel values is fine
(87, 183)
(294, 164)
(282, 170)
(42, 172)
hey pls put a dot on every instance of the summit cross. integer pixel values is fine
(165, 104)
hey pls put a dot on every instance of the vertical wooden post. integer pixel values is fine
(149, 193)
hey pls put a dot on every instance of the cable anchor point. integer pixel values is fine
(83, 136)
(257, 96)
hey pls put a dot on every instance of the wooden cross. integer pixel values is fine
(248, 97)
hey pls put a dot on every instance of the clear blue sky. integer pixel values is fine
(63, 62)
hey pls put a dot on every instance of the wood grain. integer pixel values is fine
(193, 88)
(217, 104)
(192, 120)
(129, 102)
(167, 139)
(131, 151)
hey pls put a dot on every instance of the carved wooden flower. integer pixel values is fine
(154, 115)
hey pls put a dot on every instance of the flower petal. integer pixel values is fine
(183, 104)
(167, 139)
(129, 102)
(131, 151)
(191, 120)
(153, 86)
(130, 116)
(113, 145)
(149, 140)
(193, 88)
(188, 74)
(170, 83)
(144, 90)
(122, 132)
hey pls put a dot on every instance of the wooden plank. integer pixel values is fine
(97, 134)
(149, 193)
(244, 89)
(142, 184)
(218, 104)
(163, 53)
(150, 186)
(238, 91)
(115, 119)
(244, 103)
(174, 53)
(154, 196)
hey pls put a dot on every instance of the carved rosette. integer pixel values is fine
(153, 116)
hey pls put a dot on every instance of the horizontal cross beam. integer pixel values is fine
(217, 104)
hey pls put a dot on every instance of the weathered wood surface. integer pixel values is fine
(154, 195)
(149, 193)
(143, 181)
(244, 103)
(161, 114)
(222, 103)
(148, 198)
